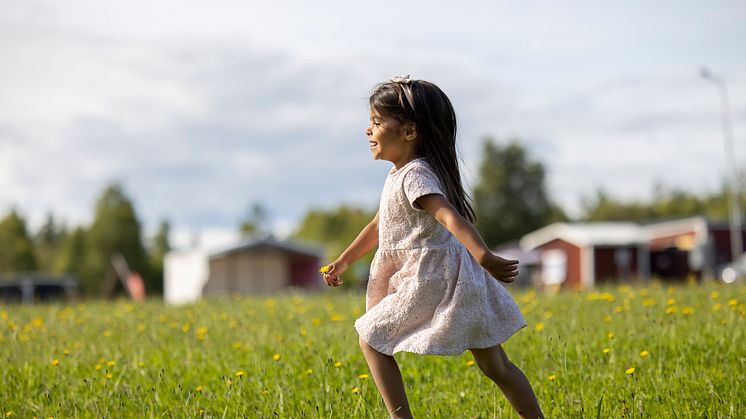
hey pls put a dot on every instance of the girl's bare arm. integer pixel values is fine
(365, 241)
(442, 210)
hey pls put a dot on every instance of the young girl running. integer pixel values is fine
(431, 288)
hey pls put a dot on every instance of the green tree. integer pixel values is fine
(335, 229)
(256, 222)
(72, 254)
(158, 250)
(48, 241)
(115, 229)
(16, 247)
(510, 198)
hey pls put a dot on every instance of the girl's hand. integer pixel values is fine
(333, 271)
(501, 269)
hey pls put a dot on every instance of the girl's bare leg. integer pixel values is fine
(388, 380)
(495, 364)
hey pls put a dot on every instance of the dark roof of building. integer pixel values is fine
(272, 243)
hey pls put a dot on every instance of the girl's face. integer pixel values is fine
(390, 139)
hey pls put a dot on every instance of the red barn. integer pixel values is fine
(582, 255)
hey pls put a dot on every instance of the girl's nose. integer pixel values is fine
(368, 132)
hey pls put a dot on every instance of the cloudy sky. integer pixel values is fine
(201, 109)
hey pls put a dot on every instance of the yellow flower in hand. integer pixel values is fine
(324, 269)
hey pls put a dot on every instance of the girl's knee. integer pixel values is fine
(493, 362)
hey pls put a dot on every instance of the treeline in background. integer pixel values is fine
(510, 199)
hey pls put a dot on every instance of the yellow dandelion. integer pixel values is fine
(607, 318)
(355, 390)
(240, 373)
(309, 371)
(552, 377)
(316, 321)
(108, 375)
(111, 363)
(8, 414)
(303, 332)
(141, 364)
(97, 367)
(714, 295)
(338, 364)
(276, 357)
(229, 382)
(732, 302)
(716, 307)
(606, 350)
(198, 389)
(107, 333)
(237, 345)
(470, 363)
(363, 376)
(671, 301)
(55, 362)
(539, 326)
(324, 269)
(66, 352)
(644, 354)
(630, 371)
(610, 335)
(618, 309)
(688, 310)
(672, 309)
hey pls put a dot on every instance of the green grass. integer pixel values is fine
(299, 357)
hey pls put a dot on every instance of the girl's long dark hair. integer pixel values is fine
(430, 109)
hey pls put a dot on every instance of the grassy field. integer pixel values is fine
(614, 352)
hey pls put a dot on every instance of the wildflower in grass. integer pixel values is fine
(552, 377)
(539, 326)
(97, 367)
(141, 364)
(607, 318)
(185, 327)
(672, 310)
(630, 371)
(670, 301)
(363, 376)
(355, 390)
(548, 314)
(606, 350)
(66, 352)
(338, 364)
(237, 345)
(688, 310)
(276, 357)
(198, 389)
(470, 363)
(309, 371)
(610, 335)
(108, 375)
(649, 302)
(8, 414)
(111, 363)
(714, 295)
(229, 382)
(732, 302)
(716, 307)
(336, 317)
(618, 309)
(107, 333)
(644, 354)
(240, 373)
(316, 322)
(55, 362)
(303, 332)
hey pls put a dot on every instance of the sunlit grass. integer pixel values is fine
(657, 351)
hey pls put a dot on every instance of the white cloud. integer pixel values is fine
(201, 111)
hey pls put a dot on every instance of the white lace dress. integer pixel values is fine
(426, 294)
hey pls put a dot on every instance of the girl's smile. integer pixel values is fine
(390, 139)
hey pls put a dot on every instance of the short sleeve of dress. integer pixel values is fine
(420, 181)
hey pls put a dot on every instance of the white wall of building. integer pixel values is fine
(184, 275)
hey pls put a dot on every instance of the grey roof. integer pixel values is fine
(272, 243)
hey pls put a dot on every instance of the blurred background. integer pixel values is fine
(151, 127)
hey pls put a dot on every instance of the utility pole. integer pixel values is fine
(734, 191)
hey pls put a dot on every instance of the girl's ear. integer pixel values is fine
(410, 131)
